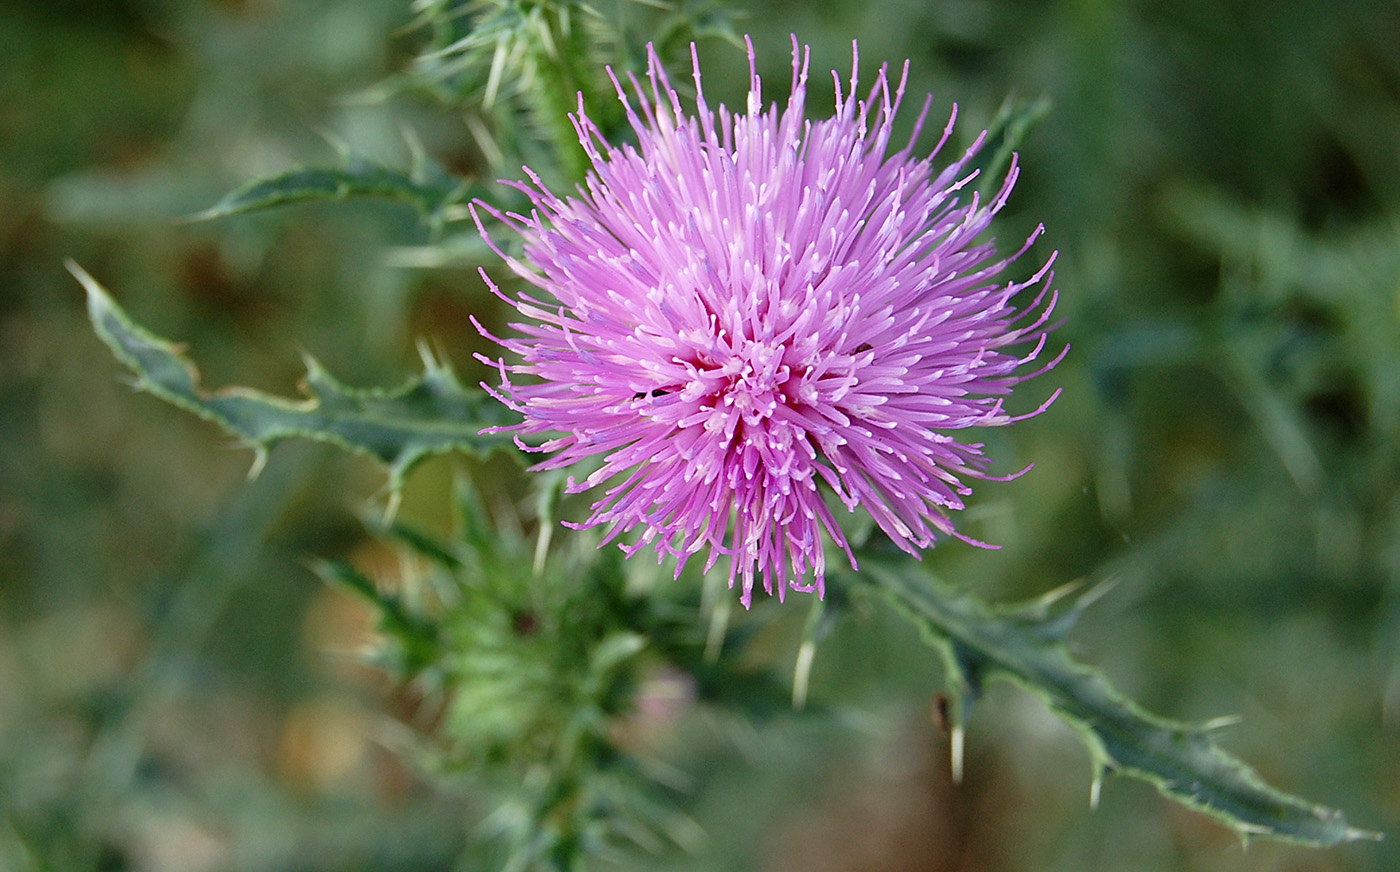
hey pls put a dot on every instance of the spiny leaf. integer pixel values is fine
(1024, 645)
(430, 414)
(428, 192)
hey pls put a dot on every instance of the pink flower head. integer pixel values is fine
(743, 312)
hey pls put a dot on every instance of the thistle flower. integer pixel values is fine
(745, 312)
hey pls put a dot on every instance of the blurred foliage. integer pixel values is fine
(1224, 186)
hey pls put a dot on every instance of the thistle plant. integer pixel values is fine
(749, 336)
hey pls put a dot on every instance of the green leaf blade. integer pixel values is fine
(429, 194)
(1182, 761)
(430, 414)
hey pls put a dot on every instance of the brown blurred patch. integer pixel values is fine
(324, 741)
(897, 813)
(339, 633)
(207, 278)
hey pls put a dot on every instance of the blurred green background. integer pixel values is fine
(1222, 179)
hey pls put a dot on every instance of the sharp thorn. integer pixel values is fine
(542, 548)
(956, 739)
(719, 626)
(1050, 597)
(259, 464)
(1354, 835)
(1221, 722)
(803, 673)
(1095, 593)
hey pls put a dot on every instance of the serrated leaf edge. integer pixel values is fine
(187, 393)
(964, 631)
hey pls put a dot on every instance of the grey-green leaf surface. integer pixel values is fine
(1024, 644)
(432, 413)
(427, 191)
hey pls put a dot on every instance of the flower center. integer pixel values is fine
(750, 384)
